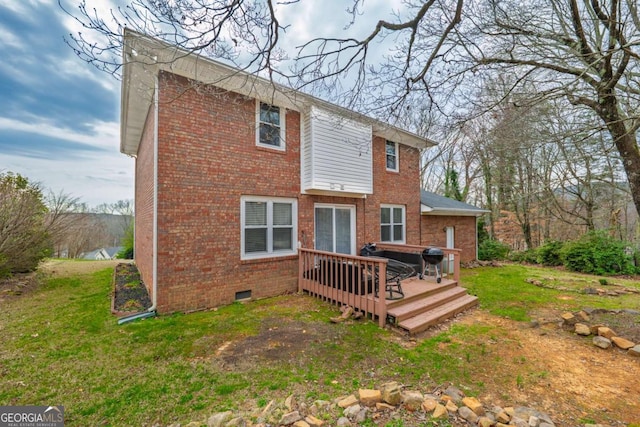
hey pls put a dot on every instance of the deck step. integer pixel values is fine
(428, 303)
(427, 319)
(424, 290)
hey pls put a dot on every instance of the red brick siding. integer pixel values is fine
(433, 233)
(208, 160)
(143, 251)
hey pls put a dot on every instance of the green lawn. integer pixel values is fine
(61, 346)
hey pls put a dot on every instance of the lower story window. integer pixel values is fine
(268, 226)
(392, 224)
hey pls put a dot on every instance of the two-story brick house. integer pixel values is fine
(234, 173)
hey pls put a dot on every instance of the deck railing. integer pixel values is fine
(354, 280)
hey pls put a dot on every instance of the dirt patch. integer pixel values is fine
(130, 294)
(18, 285)
(567, 376)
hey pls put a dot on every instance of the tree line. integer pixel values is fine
(35, 224)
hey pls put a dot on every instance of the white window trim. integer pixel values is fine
(352, 211)
(269, 253)
(397, 155)
(404, 223)
(282, 146)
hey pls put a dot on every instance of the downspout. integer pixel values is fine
(151, 311)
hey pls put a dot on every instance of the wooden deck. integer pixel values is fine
(425, 302)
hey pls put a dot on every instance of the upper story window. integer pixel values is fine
(391, 149)
(270, 120)
(392, 223)
(268, 226)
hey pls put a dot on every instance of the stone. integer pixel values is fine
(582, 329)
(440, 412)
(545, 424)
(582, 315)
(412, 400)
(313, 421)
(352, 411)
(594, 328)
(290, 418)
(466, 413)
(603, 331)
(391, 393)
(534, 421)
(518, 422)
(510, 410)
(451, 407)
(634, 351)
(473, 404)
(569, 318)
(503, 417)
(236, 422)
(369, 397)
(219, 419)
(348, 401)
(455, 393)
(429, 404)
(343, 422)
(290, 403)
(485, 422)
(193, 424)
(622, 343)
(601, 342)
(301, 423)
(384, 407)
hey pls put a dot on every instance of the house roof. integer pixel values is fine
(434, 204)
(144, 57)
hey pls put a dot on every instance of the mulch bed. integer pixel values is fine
(130, 294)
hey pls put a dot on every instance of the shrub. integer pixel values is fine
(529, 256)
(549, 254)
(127, 244)
(489, 250)
(597, 253)
(24, 237)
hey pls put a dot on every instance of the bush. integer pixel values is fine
(597, 253)
(24, 237)
(549, 254)
(127, 244)
(489, 250)
(529, 256)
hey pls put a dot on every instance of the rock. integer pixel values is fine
(622, 343)
(343, 422)
(348, 401)
(440, 412)
(455, 393)
(194, 424)
(582, 329)
(503, 417)
(301, 423)
(594, 328)
(391, 393)
(601, 342)
(582, 315)
(485, 422)
(384, 407)
(534, 421)
(606, 332)
(569, 319)
(290, 403)
(369, 397)
(412, 400)
(352, 411)
(429, 404)
(313, 421)
(236, 422)
(466, 413)
(473, 404)
(634, 351)
(451, 407)
(219, 419)
(518, 422)
(290, 418)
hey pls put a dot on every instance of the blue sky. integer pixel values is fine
(59, 121)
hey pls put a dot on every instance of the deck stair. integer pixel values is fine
(428, 303)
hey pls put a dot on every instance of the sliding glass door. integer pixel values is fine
(335, 228)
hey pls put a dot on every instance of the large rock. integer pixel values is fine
(473, 404)
(429, 404)
(347, 401)
(634, 351)
(602, 342)
(219, 419)
(466, 413)
(569, 319)
(582, 329)
(369, 397)
(455, 393)
(412, 400)
(606, 332)
(290, 418)
(391, 393)
(440, 412)
(622, 343)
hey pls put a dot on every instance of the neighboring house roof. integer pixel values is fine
(103, 253)
(144, 57)
(434, 204)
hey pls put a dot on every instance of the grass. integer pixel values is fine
(61, 346)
